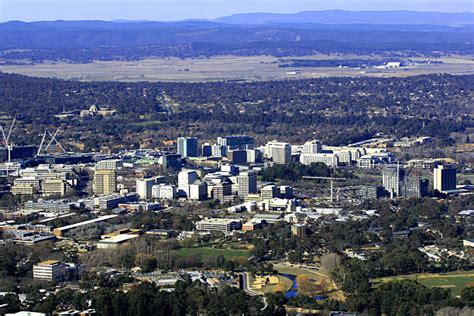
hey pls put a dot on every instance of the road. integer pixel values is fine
(249, 291)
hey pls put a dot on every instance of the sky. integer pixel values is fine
(172, 10)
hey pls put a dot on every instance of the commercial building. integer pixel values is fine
(170, 161)
(414, 186)
(329, 159)
(163, 191)
(105, 181)
(219, 224)
(235, 142)
(247, 183)
(222, 191)
(144, 187)
(198, 191)
(109, 164)
(187, 146)
(50, 270)
(392, 175)
(54, 187)
(312, 147)
(111, 201)
(279, 152)
(62, 231)
(206, 150)
(269, 192)
(444, 178)
(238, 156)
(185, 178)
(118, 238)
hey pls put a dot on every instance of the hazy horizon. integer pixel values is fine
(177, 10)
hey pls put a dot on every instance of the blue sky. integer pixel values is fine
(168, 10)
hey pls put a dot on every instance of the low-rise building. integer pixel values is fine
(219, 224)
(50, 270)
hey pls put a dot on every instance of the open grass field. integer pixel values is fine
(225, 68)
(455, 281)
(206, 252)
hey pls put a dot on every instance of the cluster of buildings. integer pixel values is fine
(398, 183)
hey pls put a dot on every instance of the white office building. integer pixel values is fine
(163, 191)
(279, 152)
(330, 160)
(185, 178)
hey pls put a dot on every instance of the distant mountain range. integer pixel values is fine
(304, 33)
(352, 17)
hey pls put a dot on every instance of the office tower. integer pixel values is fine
(170, 161)
(217, 150)
(111, 164)
(54, 187)
(415, 186)
(222, 191)
(235, 142)
(312, 147)
(105, 181)
(198, 191)
(206, 150)
(444, 178)
(392, 175)
(187, 147)
(185, 178)
(50, 270)
(279, 152)
(163, 191)
(286, 192)
(145, 188)
(237, 156)
(269, 192)
(329, 159)
(247, 183)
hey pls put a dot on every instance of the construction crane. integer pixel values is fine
(331, 181)
(53, 139)
(6, 139)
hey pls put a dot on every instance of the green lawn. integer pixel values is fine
(206, 252)
(454, 281)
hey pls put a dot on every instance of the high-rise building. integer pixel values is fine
(217, 150)
(279, 152)
(247, 183)
(105, 181)
(444, 178)
(185, 178)
(54, 187)
(236, 142)
(415, 186)
(187, 146)
(198, 191)
(112, 164)
(145, 188)
(222, 191)
(237, 156)
(312, 147)
(206, 150)
(164, 191)
(269, 192)
(392, 176)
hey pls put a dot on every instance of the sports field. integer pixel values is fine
(206, 252)
(455, 281)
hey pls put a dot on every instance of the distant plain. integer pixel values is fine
(229, 68)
